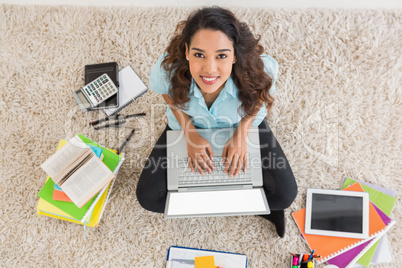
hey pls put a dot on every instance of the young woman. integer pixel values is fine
(214, 75)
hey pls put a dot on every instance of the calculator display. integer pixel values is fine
(83, 100)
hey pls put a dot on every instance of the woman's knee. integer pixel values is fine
(289, 193)
(151, 194)
(290, 196)
(150, 201)
(282, 192)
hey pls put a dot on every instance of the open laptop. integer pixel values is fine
(217, 194)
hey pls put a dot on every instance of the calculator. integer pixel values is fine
(96, 92)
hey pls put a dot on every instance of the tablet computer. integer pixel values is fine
(337, 213)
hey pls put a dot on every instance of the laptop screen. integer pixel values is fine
(210, 203)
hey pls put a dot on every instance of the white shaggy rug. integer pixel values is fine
(337, 112)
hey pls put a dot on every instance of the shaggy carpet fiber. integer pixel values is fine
(337, 113)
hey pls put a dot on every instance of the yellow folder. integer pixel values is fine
(47, 209)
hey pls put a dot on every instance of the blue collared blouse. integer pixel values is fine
(224, 112)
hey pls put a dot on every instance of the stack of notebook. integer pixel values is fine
(53, 202)
(349, 252)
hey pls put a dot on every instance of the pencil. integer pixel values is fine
(104, 119)
(125, 141)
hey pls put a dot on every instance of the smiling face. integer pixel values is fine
(210, 56)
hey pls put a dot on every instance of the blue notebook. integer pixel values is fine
(183, 257)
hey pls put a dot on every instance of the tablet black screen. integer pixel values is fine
(337, 213)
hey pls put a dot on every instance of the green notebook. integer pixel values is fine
(110, 159)
(383, 201)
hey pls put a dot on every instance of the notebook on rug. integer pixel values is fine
(110, 159)
(183, 257)
(130, 88)
(353, 255)
(330, 246)
(78, 171)
(384, 200)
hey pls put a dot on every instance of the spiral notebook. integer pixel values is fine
(330, 246)
(130, 88)
(350, 257)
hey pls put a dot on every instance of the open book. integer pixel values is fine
(78, 171)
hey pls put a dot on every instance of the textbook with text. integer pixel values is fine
(77, 170)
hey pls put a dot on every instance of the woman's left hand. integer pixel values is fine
(234, 154)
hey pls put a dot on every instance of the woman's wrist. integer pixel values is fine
(188, 128)
(189, 131)
(244, 126)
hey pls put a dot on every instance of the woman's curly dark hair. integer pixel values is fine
(248, 72)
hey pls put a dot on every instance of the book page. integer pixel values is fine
(58, 161)
(76, 164)
(87, 181)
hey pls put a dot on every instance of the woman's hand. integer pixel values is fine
(199, 153)
(234, 153)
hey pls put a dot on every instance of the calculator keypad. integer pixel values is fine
(100, 89)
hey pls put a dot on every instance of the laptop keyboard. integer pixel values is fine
(217, 177)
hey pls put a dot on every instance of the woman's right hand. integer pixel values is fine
(200, 154)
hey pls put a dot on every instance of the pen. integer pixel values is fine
(305, 257)
(116, 116)
(295, 261)
(104, 119)
(311, 256)
(132, 115)
(126, 140)
(114, 124)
